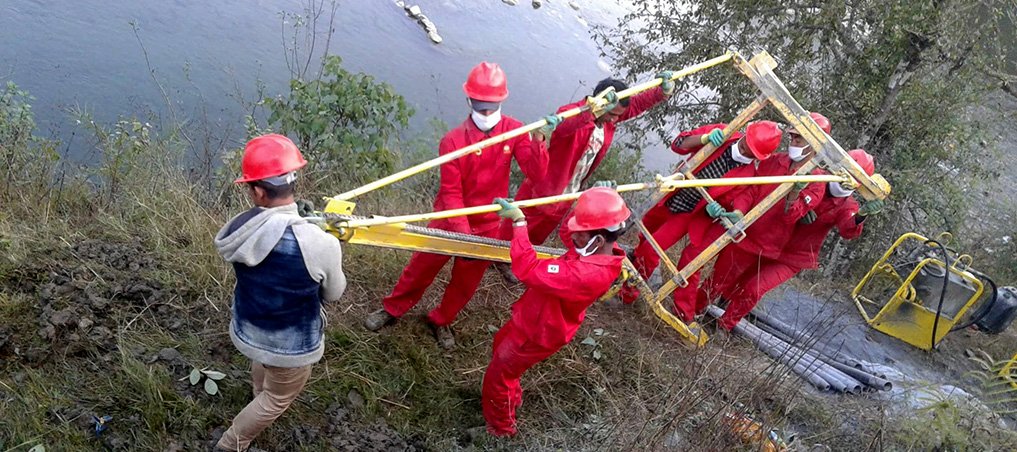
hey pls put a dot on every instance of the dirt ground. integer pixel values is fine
(83, 301)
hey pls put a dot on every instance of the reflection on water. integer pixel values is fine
(85, 54)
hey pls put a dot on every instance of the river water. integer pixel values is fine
(83, 54)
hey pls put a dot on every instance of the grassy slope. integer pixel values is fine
(139, 263)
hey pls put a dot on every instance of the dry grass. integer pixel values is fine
(648, 391)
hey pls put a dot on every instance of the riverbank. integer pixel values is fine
(111, 295)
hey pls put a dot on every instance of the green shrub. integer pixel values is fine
(342, 121)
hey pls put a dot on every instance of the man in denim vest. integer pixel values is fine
(286, 268)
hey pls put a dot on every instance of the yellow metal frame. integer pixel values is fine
(904, 316)
(392, 232)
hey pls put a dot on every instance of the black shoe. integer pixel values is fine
(505, 270)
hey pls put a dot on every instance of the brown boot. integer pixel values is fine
(378, 319)
(443, 334)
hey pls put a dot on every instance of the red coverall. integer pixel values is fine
(703, 230)
(667, 227)
(568, 142)
(471, 180)
(544, 319)
(742, 263)
(832, 212)
(800, 253)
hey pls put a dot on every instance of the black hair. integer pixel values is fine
(276, 191)
(609, 236)
(618, 86)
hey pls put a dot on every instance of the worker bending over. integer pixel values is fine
(285, 268)
(738, 272)
(669, 220)
(837, 209)
(576, 149)
(471, 180)
(558, 291)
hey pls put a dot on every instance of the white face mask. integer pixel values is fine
(488, 122)
(796, 153)
(837, 191)
(586, 251)
(736, 154)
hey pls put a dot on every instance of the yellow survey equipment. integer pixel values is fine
(396, 232)
(919, 290)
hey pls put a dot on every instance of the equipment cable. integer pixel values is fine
(985, 308)
(942, 294)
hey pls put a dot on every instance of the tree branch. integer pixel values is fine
(906, 68)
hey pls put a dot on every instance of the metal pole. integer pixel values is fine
(760, 209)
(800, 338)
(479, 146)
(797, 368)
(795, 357)
(669, 185)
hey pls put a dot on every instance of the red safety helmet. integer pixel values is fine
(269, 156)
(486, 83)
(763, 137)
(598, 208)
(820, 120)
(864, 160)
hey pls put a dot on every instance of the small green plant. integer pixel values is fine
(210, 377)
(996, 380)
(590, 341)
(123, 148)
(26, 161)
(342, 120)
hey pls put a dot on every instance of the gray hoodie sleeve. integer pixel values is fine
(323, 257)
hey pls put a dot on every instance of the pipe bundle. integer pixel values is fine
(826, 369)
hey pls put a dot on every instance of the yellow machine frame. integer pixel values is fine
(905, 316)
(392, 232)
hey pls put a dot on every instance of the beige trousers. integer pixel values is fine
(275, 388)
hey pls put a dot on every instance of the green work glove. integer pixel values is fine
(666, 84)
(552, 122)
(611, 99)
(508, 210)
(714, 209)
(716, 137)
(809, 218)
(305, 208)
(733, 217)
(871, 207)
(606, 183)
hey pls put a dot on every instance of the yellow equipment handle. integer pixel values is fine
(666, 184)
